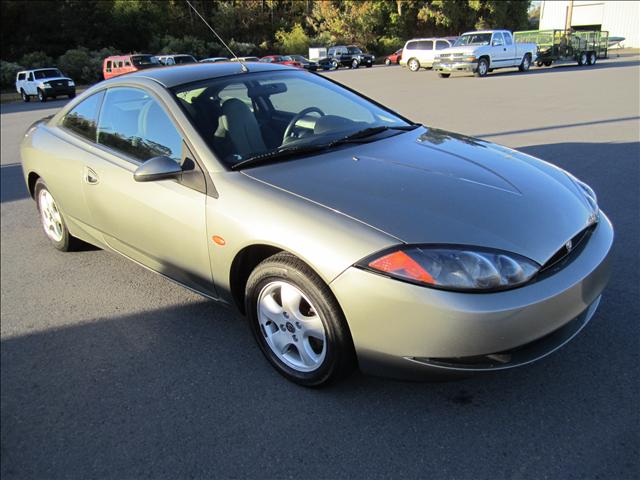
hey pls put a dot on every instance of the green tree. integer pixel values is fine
(293, 41)
(37, 59)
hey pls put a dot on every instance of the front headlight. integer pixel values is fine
(71, 83)
(454, 267)
(44, 85)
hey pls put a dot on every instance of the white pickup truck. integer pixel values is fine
(484, 51)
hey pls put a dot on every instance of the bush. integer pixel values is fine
(37, 59)
(75, 63)
(8, 72)
(386, 45)
(187, 44)
(294, 41)
(242, 49)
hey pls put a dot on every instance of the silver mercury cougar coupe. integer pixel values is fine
(348, 235)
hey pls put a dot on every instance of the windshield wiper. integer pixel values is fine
(279, 154)
(289, 152)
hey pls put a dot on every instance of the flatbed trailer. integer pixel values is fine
(581, 46)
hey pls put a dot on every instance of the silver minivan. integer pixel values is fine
(419, 52)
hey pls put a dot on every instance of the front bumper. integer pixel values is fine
(409, 331)
(452, 66)
(57, 90)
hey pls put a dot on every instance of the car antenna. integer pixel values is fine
(245, 69)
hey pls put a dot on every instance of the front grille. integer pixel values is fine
(452, 56)
(568, 248)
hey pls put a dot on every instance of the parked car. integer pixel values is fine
(420, 52)
(214, 60)
(282, 60)
(244, 59)
(347, 234)
(180, 59)
(44, 83)
(325, 63)
(394, 58)
(305, 62)
(483, 51)
(349, 56)
(120, 64)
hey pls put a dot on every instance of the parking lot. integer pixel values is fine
(111, 371)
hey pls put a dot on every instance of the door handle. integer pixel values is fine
(504, 49)
(90, 176)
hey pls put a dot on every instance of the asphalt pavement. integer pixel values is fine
(109, 371)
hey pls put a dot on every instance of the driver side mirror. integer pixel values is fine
(157, 168)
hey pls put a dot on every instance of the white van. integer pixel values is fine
(420, 52)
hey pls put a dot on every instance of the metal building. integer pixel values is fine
(619, 18)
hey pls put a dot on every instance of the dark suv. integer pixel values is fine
(349, 56)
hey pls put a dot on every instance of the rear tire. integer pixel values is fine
(41, 96)
(582, 59)
(25, 98)
(444, 75)
(548, 63)
(72, 95)
(483, 68)
(387, 62)
(275, 325)
(413, 64)
(592, 58)
(335, 65)
(526, 63)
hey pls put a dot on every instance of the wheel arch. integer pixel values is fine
(32, 178)
(244, 262)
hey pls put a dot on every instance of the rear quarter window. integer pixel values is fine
(83, 119)
(22, 76)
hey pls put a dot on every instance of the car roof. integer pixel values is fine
(196, 72)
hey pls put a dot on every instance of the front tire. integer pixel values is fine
(25, 98)
(387, 62)
(354, 64)
(72, 95)
(52, 220)
(41, 96)
(592, 59)
(483, 68)
(335, 65)
(413, 64)
(444, 75)
(297, 322)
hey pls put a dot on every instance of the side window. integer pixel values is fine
(441, 45)
(31, 76)
(411, 45)
(497, 40)
(330, 52)
(119, 63)
(507, 38)
(132, 122)
(127, 63)
(22, 76)
(83, 118)
(109, 66)
(426, 45)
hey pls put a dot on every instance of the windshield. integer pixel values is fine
(144, 60)
(473, 39)
(353, 50)
(255, 114)
(299, 58)
(181, 59)
(48, 73)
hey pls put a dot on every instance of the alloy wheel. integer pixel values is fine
(50, 216)
(291, 326)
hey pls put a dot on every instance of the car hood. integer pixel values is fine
(432, 186)
(53, 79)
(463, 49)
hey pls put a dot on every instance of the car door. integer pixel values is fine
(30, 85)
(20, 81)
(426, 52)
(499, 54)
(510, 49)
(160, 224)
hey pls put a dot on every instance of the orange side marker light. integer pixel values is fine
(219, 240)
